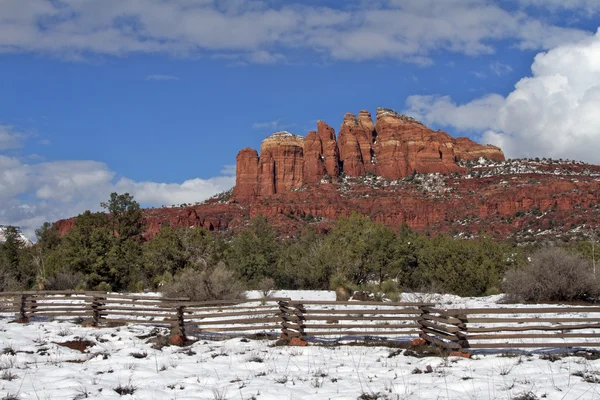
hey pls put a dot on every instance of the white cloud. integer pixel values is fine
(31, 194)
(441, 110)
(500, 69)
(553, 113)
(588, 6)
(263, 32)
(8, 138)
(268, 125)
(159, 77)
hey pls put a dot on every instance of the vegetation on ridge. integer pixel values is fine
(108, 252)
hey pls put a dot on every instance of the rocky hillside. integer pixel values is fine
(397, 171)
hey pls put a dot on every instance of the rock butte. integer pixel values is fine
(394, 147)
(297, 181)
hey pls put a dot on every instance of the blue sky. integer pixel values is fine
(157, 97)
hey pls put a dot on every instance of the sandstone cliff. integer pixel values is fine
(393, 147)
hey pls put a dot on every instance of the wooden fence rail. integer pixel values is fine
(450, 329)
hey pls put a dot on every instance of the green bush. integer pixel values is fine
(552, 275)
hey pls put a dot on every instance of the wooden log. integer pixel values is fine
(310, 317)
(140, 314)
(240, 321)
(63, 314)
(529, 320)
(65, 310)
(362, 333)
(275, 328)
(441, 328)
(442, 319)
(221, 309)
(190, 314)
(533, 336)
(439, 334)
(359, 303)
(557, 328)
(437, 342)
(523, 310)
(363, 326)
(415, 312)
(534, 345)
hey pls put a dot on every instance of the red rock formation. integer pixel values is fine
(331, 153)
(393, 148)
(246, 170)
(351, 158)
(548, 196)
(466, 149)
(552, 198)
(281, 163)
(405, 145)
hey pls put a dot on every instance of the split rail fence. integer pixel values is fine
(401, 322)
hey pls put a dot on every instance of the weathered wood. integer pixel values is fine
(439, 343)
(533, 345)
(140, 314)
(441, 328)
(443, 335)
(39, 310)
(312, 317)
(348, 326)
(533, 336)
(191, 329)
(362, 333)
(239, 321)
(62, 314)
(522, 310)
(529, 320)
(557, 328)
(219, 310)
(230, 314)
(360, 303)
(134, 310)
(136, 321)
(445, 320)
(415, 312)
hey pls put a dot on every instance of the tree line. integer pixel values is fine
(107, 251)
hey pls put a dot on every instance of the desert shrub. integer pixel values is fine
(216, 283)
(65, 281)
(266, 287)
(552, 275)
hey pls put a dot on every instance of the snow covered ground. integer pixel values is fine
(35, 365)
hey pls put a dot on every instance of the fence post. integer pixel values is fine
(23, 310)
(283, 313)
(180, 320)
(299, 312)
(424, 310)
(463, 341)
(96, 310)
(288, 316)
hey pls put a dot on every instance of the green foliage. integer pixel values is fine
(463, 267)
(125, 215)
(253, 253)
(108, 252)
(304, 263)
(361, 250)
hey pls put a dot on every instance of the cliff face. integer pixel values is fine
(524, 199)
(370, 169)
(394, 147)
